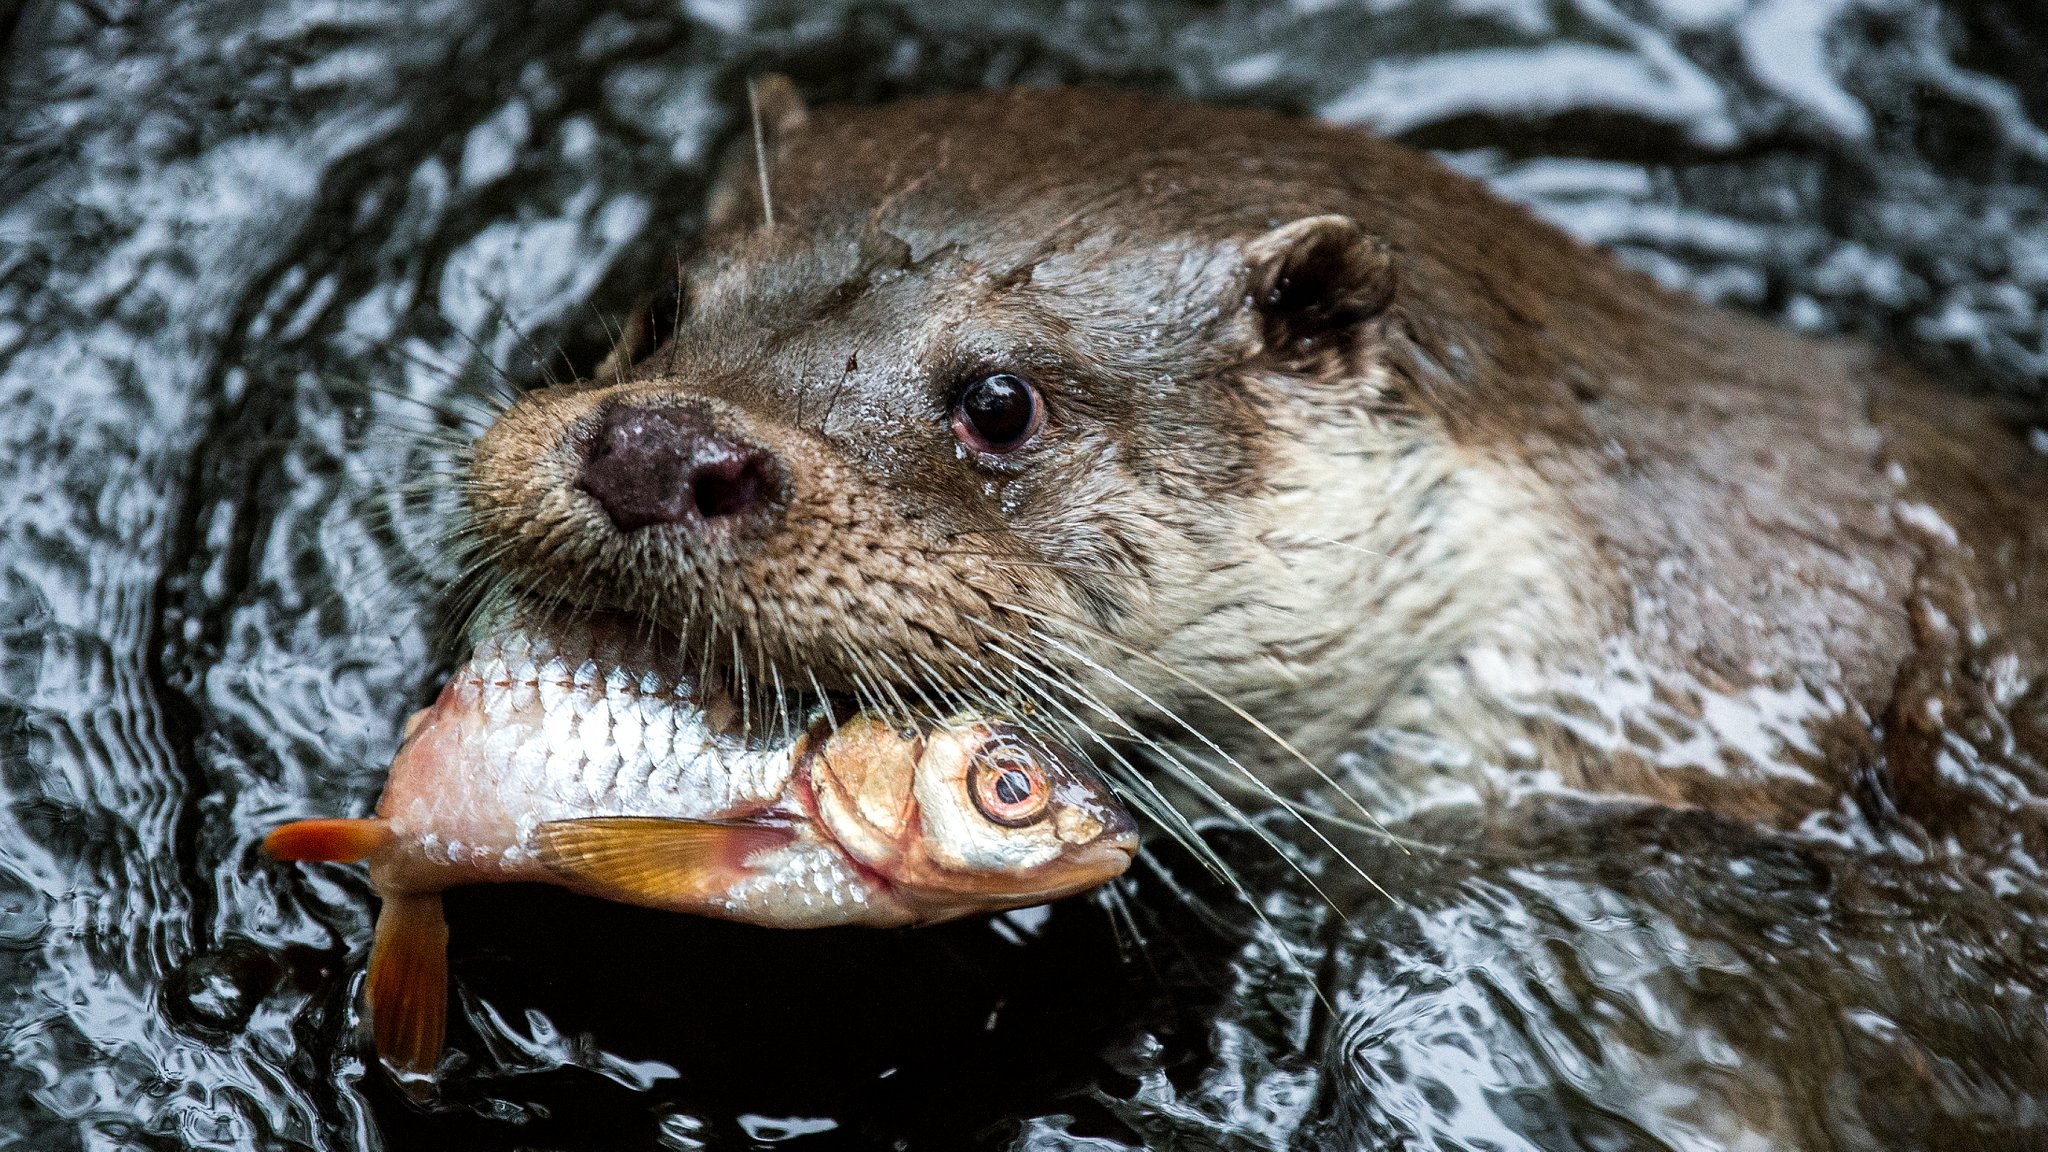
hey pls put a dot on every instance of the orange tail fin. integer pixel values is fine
(337, 840)
(408, 984)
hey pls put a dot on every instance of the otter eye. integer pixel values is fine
(1009, 787)
(996, 413)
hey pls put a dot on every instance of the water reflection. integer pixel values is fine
(260, 265)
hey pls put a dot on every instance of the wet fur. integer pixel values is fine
(1525, 507)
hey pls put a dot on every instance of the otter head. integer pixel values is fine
(1008, 402)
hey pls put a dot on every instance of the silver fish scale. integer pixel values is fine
(804, 877)
(586, 740)
(490, 671)
(552, 680)
(600, 753)
(628, 724)
(657, 735)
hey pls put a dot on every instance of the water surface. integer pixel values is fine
(260, 264)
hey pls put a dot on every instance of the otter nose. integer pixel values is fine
(670, 466)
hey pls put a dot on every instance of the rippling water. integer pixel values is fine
(257, 261)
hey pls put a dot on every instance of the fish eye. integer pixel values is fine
(997, 413)
(1008, 786)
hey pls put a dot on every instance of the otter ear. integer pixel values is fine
(1314, 282)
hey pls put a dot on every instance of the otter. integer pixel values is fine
(1222, 437)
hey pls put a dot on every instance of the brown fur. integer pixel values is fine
(1520, 503)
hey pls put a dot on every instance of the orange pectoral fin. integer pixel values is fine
(651, 861)
(338, 841)
(408, 984)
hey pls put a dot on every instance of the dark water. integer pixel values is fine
(236, 237)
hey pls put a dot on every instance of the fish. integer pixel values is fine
(582, 755)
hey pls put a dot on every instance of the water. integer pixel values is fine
(234, 237)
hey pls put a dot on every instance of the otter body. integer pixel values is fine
(1212, 434)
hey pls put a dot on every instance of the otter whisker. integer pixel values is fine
(760, 155)
(1237, 815)
(744, 679)
(477, 566)
(504, 392)
(879, 691)
(756, 671)
(435, 539)
(1205, 740)
(577, 599)
(1155, 806)
(675, 318)
(459, 410)
(830, 718)
(1226, 778)
(903, 712)
(785, 731)
(1216, 799)
(619, 352)
(959, 685)
(706, 642)
(1188, 898)
(451, 545)
(1257, 724)
(446, 441)
(777, 720)
(481, 585)
(866, 698)
(421, 529)
(1343, 544)
(646, 625)
(1039, 670)
(1121, 918)
(504, 316)
(839, 389)
(933, 711)
(1135, 786)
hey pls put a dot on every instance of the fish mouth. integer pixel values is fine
(1090, 866)
(1099, 863)
(1084, 870)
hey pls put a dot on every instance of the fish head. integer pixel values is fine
(968, 817)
